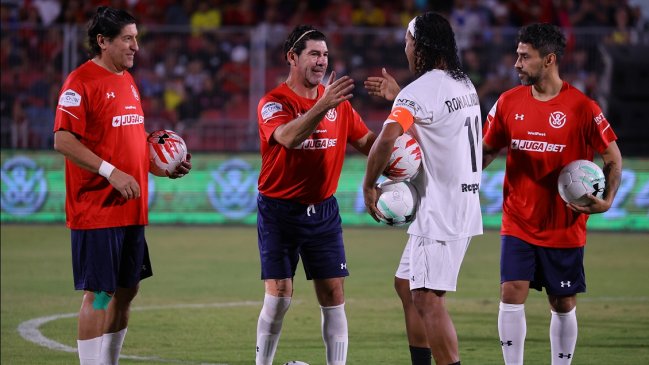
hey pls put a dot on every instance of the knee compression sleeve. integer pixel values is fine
(101, 301)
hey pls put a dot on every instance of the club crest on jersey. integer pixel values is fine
(70, 98)
(557, 119)
(331, 115)
(135, 94)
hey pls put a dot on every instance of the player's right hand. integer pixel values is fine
(337, 91)
(125, 184)
(384, 86)
(371, 196)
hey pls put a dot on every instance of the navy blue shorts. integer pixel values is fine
(559, 270)
(288, 230)
(107, 258)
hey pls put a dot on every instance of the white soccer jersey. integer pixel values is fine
(448, 127)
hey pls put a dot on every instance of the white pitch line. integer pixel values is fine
(30, 330)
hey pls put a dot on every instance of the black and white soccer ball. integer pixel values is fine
(578, 178)
(397, 202)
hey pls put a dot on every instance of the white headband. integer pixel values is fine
(302, 36)
(411, 27)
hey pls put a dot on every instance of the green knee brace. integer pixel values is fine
(101, 301)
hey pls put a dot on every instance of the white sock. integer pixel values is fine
(512, 329)
(269, 327)
(334, 334)
(111, 346)
(89, 351)
(563, 336)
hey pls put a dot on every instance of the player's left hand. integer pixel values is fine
(384, 86)
(595, 205)
(371, 196)
(182, 169)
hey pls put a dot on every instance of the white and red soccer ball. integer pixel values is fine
(166, 151)
(397, 202)
(405, 160)
(578, 178)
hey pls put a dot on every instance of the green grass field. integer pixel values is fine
(202, 303)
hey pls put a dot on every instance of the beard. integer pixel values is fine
(528, 80)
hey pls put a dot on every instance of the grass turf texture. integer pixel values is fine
(210, 267)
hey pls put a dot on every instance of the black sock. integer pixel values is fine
(420, 355)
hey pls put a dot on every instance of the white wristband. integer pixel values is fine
(105, 169)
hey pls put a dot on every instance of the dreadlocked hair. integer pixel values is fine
(435, 46)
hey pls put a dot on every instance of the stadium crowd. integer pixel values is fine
(197, 59)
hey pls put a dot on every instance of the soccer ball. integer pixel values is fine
(405, 160)
(398, 202)
(295, 362)
(578, 178)
(166, 151)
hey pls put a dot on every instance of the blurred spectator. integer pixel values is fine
(200, 56)
(19, 126)
(48, 10)
(195, 76)
(623, 33)
(241, 12)
(179, 12)
(588, 13)
(206, 17)
(234, 76)
(368, 14)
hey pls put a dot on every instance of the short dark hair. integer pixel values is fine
(109, 23)
(296, 41)
(435, 46)
(544, 37)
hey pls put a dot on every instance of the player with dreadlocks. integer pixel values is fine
(440, 109)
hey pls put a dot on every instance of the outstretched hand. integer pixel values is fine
(182, 169)
(337, 91)
(384, 86)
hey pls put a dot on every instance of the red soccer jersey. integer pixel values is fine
(308, 173)
(542, 137)
(103, 109)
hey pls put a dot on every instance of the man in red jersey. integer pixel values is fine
(545, 124)
(99, 128)
(304, 128)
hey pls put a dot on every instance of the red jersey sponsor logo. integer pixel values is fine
(557, 119)
(599, 118)
(317, 144)
(269, 109)
(127, 119)
(536, 146)
(70, 98)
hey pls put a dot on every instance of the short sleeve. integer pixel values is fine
(271, 113)
(72, 107)
(493, 131)
(357, 128)
(600, 132)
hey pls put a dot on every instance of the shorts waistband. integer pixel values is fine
(292, 203)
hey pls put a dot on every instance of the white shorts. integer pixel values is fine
(432, 264)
